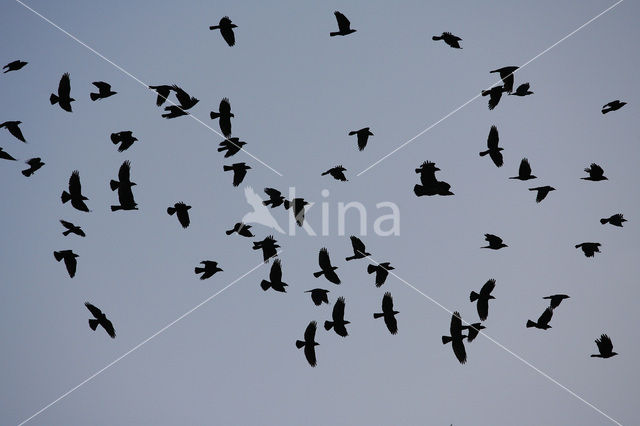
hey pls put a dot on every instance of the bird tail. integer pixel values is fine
(483, 153)
(171, 210)
(65, 197)
(474, 296)
(265, 285)
(446, 339)
(93, 323)
(299, 344)
(199, 270)
(94, 96)
(378, 315)
(602, 221)
(114, 184)
(116, 208)
(224, 148)
(229, 232)
(328, 325)
(371, 269)
(435, 38)
(214, 115)
(317, 274)
(65, 233)
(57, 255)
(227, 168)
(334, 33)
(418, 190)
(53, 99)
(27, 172)
(214, 27)
(325, 173)
(485, 92)
(351, 258)
(595, 356)
(530, 324)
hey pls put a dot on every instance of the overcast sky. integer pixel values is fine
(296, 93)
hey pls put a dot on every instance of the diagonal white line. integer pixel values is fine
(100, 55)
(139, 345)
(477, 96)
(501, 346)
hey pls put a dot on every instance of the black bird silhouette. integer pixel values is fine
(297, 205)
(430, 185)
(12, 127)
(388, 313)
(482, 298)
(615, 220)
(104, 91)
(268, 246)
(5, 155)
(493, 149)
(309, 344)
(186, 100)
(543, 191)
(495, 242)
(232, 146)
(359, 250)
(182, 211)
(100, 319)
(241, 229)
(524, 172)
(210, 268)
(63, 98)
(613, 106)
(34, 165)
(14, 66)
(326, 268)
(337, 173)
(456, 338)
(226, 29)
(319, 295)
(381, 270)
(450, 39)
(495, 93)
(555, 300)
(75, 193)
(605, 347)
(589, 249)
(163, 91)
(70, 261)
(363, 137)
(124, 187)
(224, 114)
(72, 229)
(338, 324)
(239, 172)
(126, 137)
(275, 197)
(275, 277)
(173, 111)
(543, 321)
(506, 74)
(595, 173)
(344, 26)
(473, 330)
(522, 90)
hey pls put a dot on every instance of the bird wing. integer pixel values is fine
(596, 170)
(492, 140)
(310, 332)
(94, 310)
(545, 318)
(494, 98)
(225, 107)
(323, 259)
(525, 168)
(459, 350)
(391, 323)
(604, 344)
(343, 22)
(276, 272)
(182, 96)
(16, 132)
(387, 303)
(228, 35)
(496, 157)
(362, 140)
(332, 276)
(483, 308)
(456, 324)
(71, 263)
(338, 310)
(64, 88)
(102, 86)
(358, 246)
(75, 189)
(310, 354)
(124, 172)
(66, 224)
(273, 193)
(493, 239)
(488, 287)
(108, 326)
(238, 176)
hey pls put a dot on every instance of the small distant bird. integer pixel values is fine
(543, 191)
(126, 137)
(482, 299)
(75, 193)
(163, 92)
(556, 299)
(493, 148)
(275, 278)
(495, 93)
(337, 173)
(268, 246)
(5, 156)
(589, 249)
(12, 127)
(524, 172)
(297, 205)
(338, 324)
(69, 258)
(182, 211)
(495, 242)
(543, 321)
(72, 229)
(224, 115)
(450, 39)
(104, 91)
(173, 111)
(615, 220)
(226, 29)
(210, 268)
(186, 100)
(363, 137)
(595, 173)
(100, 319)
(232, 146)
(124, 187)
(359, 249)
(239, 172)
(473, 330)
(344, 26)
(326, 268)
(319, 295)
(14, 66)
(430, 185)
(381, 270)
(388, 313)
(456, 338)
(522, 90)
(275, 197)
(506, 74)
(34, 165)
(241, 229)
(309, 344)
(613, 106)
(605, 347)
(63, 98)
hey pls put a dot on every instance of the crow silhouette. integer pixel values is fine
(14, 66)
(275, 198)
(337, 173)
(5, 155)
(226, 29)
(543, 321)
(493, 149)
(381, 270)
(163, 92)
(239, 172)
(14, 129)
(75, 193)
(34, 165)
(268, 247)
(124, 187)
(182, 211)
(72, 229)
(63, 98)
(209, 269)
(241, 229)
(363, 137)
(482, 299)
(338, 324)
(429, 184)
(524, 171)
(613, 106)
(344, 26)
(522, 90)
(555, 300)
(359, 250)
(125, 137)
(70, 261)
(224, 115)
(495, 93)
(275, 278)
(495, 242)
(595, 173)
(506, 74)
(309, 344)
(615, 220)
(450, 39)
(605, 347)
(104, 91)
(589, 249)
(186, 100)
(473, 330)
(319, 295)
(232, 146)
(456, 338)
(326, 268)
(297, 205)
(388, 313)
(173, 111)
(100, 319)
(543, 191)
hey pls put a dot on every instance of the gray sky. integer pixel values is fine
(296, 92)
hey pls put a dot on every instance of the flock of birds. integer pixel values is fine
(429, 186)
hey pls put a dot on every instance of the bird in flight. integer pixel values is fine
(224, 115)
(589, 249)
(595, 173)
(232, 146)
(344, 26)
(430, 185)
(555, 300)
(495, 93)
(309, 344)
(163, 91)
(362, 136)
(455, 329)
(34, 165)
(449, 38)
(482, 298)
(104, 91)
(318, 296)
(14, 66)
(275, 278)
(473, 330)
(125, 137)
(337, 173)
(524, 171)
(613, 106)
(275, 198)
(14, 129)
(297, 205)
(543, 191)
(173, 111)
(69, 258)
(338, 324)
(388, 313)
(72, 229)
(506, 75)
(239, 172)
(381, 270)
(63, 98)
(268, 247)
(100, 319)
(326, 268)
(522, 90)
(543, 320)
(492, 147)
(241, 229)
(75, 193)
(182, 211)
(495, 242)
(605, 347)
(208, 270)
(186, 100)
(5, 155)
(124, 187)
(226, 29)
(359, 249)
(615, 220)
